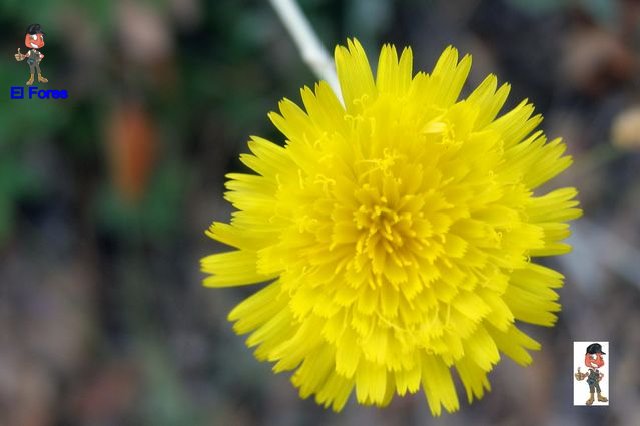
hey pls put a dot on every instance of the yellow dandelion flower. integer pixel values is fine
(396, 233)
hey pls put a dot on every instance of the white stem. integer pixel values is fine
(310, 47)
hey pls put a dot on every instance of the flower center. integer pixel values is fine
(385, 233)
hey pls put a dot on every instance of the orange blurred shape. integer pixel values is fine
(132, 142)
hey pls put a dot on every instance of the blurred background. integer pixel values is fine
(104, 198)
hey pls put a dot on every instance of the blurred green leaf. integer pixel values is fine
(34, 9)
(6, 217)
(162, 209)
(16, 182)
(165, 402)
(158, 213)
(27, 119)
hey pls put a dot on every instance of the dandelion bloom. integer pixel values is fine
(395, 233)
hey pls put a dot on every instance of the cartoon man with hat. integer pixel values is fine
(34, 40)
(593, 360)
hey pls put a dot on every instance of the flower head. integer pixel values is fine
(396, 233)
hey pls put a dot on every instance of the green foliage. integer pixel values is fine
(26, 120)
(16, 182)
(154, 217)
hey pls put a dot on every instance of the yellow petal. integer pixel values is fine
(232, 269)
(448, 77)
(354, 73)
(371, 383)
(393, 76)
(438, 385)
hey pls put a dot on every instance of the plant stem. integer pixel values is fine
(311, 49)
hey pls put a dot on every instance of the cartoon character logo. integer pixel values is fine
(593, 360)
(34, 40)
